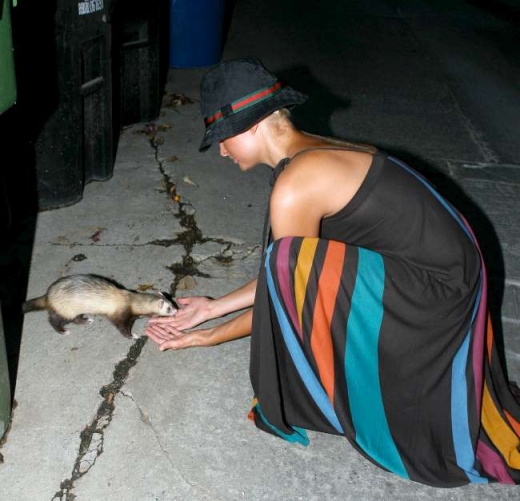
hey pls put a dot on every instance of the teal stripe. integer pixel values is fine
(362, 364)
(299, 436)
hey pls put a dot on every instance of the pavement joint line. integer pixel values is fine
(92, 436)
(146, 418)
(475, 135)
(510, 320)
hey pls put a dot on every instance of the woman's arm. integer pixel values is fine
(241, 298)
(173, 339)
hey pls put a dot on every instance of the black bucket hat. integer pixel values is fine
(237, 94)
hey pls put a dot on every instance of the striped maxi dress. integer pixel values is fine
(379, 331)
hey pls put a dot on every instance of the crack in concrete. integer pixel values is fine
(191, 236)
(3, 439)
(229, 255)
(145, 417)
(159, 242)
(92, 436)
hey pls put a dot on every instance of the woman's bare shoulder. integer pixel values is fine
(326, 177)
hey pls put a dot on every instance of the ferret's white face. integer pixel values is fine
(166, 308)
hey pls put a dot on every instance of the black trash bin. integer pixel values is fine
(140, 58)
(62, 58)
(5, 388)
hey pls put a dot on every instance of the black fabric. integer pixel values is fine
(432, 285)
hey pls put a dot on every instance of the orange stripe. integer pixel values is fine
(489, 338)
(321, 339)
(499, 432)
(513, 422)
(251, 414)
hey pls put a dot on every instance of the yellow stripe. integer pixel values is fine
(302, 272)
(500, 434)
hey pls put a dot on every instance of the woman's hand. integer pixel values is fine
(168, 337)
(192, 311)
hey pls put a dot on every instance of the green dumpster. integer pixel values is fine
(7, 76)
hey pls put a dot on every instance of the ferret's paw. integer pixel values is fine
(89, 320)
(135, 335)
(65, 332)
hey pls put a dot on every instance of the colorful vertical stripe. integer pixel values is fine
(362, 364)
(321, 336)
(303, 367)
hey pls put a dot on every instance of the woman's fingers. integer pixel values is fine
(177, 340)
(162, 320)
(160, 333)
(177, 344)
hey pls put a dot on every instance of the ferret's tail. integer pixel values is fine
(36, 304)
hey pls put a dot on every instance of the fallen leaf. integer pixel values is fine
(96, 236)
(163, 126)
(144, 287)
(186, 283)
(175, 100)
(187, 180)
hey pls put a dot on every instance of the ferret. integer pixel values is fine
(74, 297)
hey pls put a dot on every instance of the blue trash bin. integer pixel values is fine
(196, 32)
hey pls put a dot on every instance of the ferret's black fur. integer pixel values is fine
(72, 298)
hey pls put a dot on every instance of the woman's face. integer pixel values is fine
(242, 149)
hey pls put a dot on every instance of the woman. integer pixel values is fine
(369, 315)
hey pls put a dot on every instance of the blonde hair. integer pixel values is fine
(280, 119)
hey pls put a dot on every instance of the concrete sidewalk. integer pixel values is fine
(100, 417)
